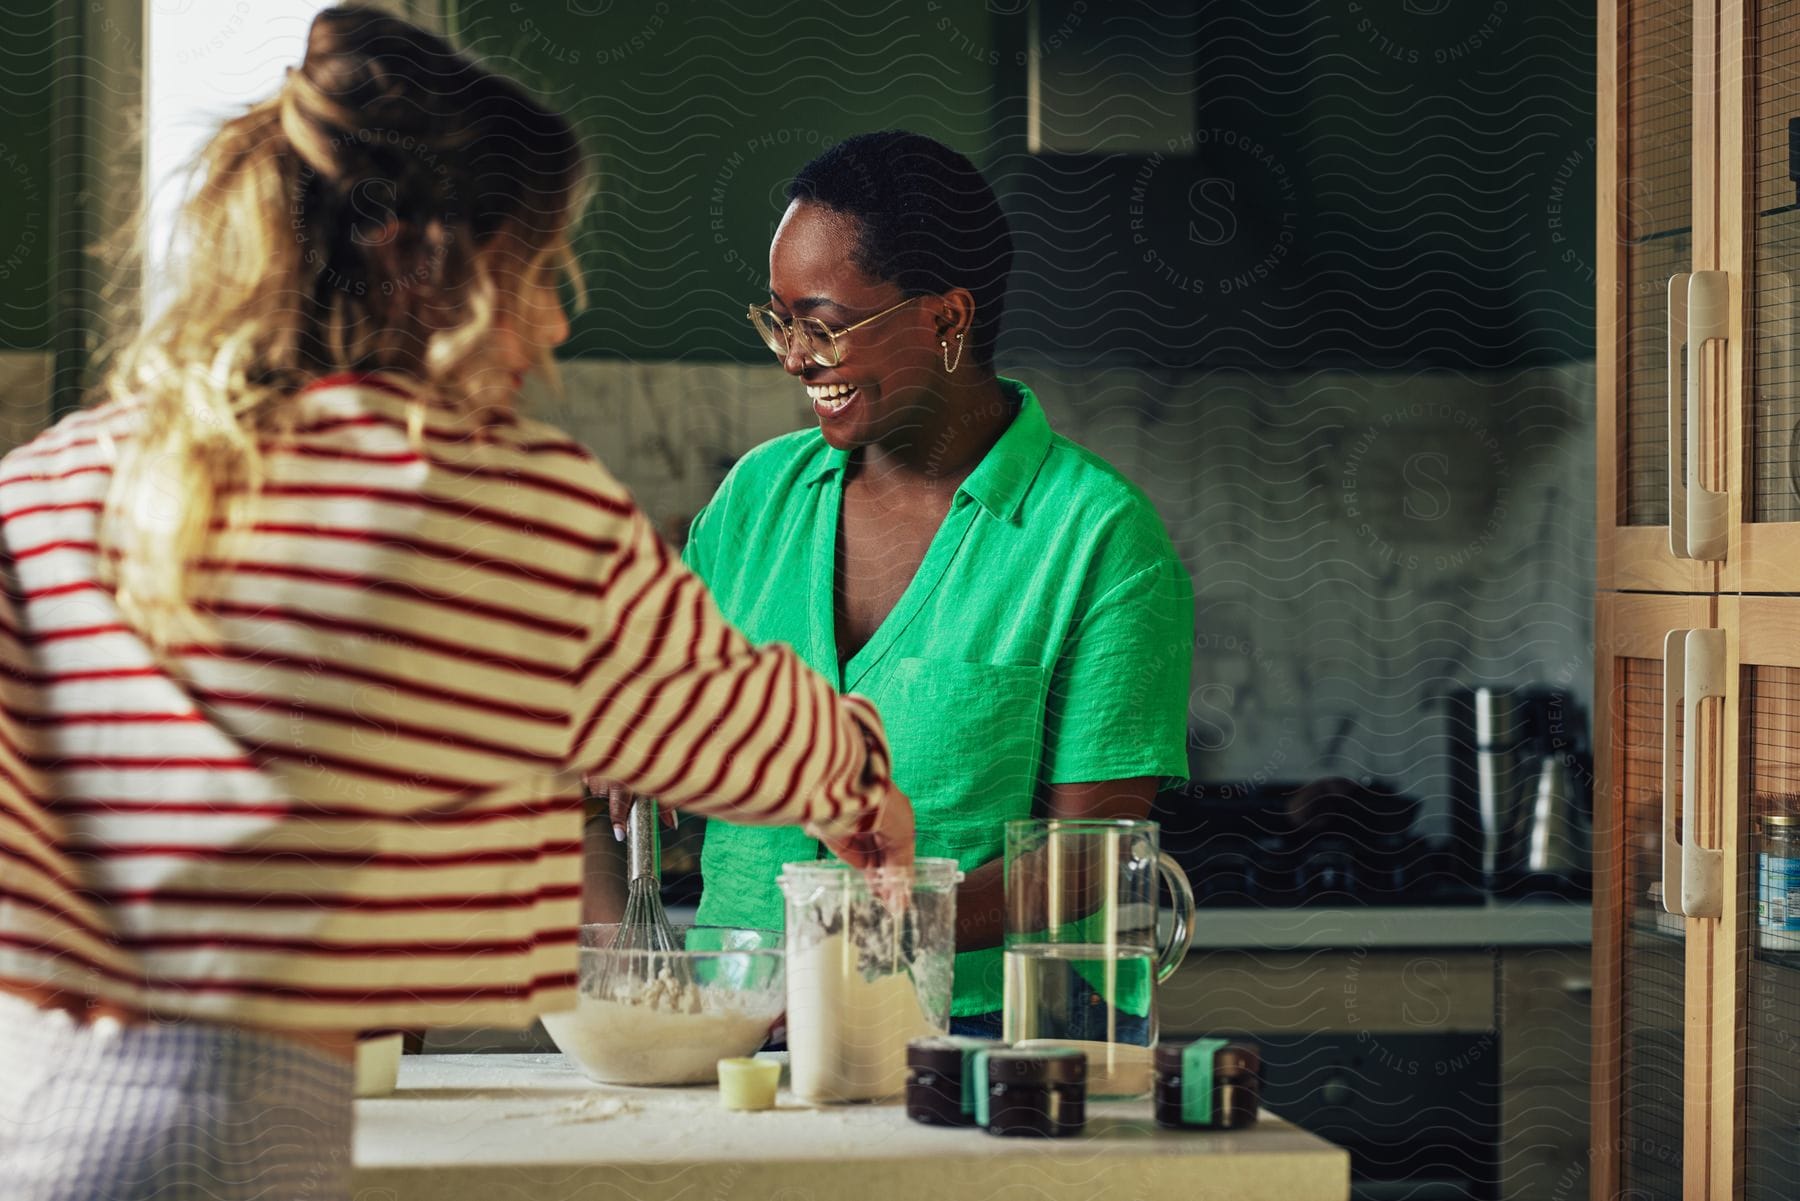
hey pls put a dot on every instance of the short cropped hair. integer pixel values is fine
(926, 220)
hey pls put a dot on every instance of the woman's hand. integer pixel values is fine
(888, 843)
(618, 805)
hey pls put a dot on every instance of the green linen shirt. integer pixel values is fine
(1047, 638)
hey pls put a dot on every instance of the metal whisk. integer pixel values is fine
(644, 930)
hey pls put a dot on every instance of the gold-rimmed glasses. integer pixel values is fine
(817, 341)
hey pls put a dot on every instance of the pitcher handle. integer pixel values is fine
(1169, 957)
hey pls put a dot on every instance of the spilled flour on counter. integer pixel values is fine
(598, 1108)
(847, 1032)
(595, 1107)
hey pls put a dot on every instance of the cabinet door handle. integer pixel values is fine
(1674, 686)
(1775, 459)
(1678, 336)
(1708, 320)
(1693, 876)
(1702, 868)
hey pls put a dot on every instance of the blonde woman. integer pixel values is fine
(307, 639)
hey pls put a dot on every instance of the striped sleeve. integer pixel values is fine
(47, 913)
(672, 701)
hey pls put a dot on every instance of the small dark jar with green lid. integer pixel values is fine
(1207, 1084)
(942, 1081)
(1040, 1092)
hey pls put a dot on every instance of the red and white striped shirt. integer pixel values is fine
(357, 804)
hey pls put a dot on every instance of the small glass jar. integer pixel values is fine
(1040, 1092)
(1207, 1084)
(941, 1083)
(1778, 882)
(864, 978)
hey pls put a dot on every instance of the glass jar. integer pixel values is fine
(1207, 1084)
(941, 1080)
(1036, 1092)
(866, 974)
(1778, 882)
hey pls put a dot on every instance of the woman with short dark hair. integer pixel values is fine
(1011, 602)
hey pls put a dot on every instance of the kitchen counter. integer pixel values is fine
(518, 1127)
(1494, 924)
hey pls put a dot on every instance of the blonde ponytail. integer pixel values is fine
(338, 226)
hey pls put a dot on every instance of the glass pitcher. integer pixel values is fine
(864, 976)
(1082, 955)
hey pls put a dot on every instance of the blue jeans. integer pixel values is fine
(978, 1025)
(1087, 1021)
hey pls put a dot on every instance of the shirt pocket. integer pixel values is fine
(968, 741)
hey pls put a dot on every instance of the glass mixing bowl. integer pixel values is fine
(732, 989)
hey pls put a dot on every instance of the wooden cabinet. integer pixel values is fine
(1697, 1023)
(1544, 1017)
(1698, 303)
(1654, 229)
(1759, 253)
(1508, 1025)
(1341, 990)
(1543, 1141)
(1644, 958)
(1756, 1031)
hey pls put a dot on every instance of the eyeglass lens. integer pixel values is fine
(812, 339)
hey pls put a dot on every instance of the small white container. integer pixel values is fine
(748, 1084)
(378, 1065)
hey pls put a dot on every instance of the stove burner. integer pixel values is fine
(1284, 846)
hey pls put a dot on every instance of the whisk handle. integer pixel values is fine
(642, 843)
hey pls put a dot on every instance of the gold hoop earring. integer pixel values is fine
(945, 345)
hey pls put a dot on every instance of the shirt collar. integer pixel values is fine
(1002, 478)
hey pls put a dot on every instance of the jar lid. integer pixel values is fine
(1781, 821)
(1037, 1065)
(1230, 1060)
(946, 1053)
(806, 875)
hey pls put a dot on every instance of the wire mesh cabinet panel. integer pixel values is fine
(1757, 1156)
(1659, 308)
(1649, 962)
(1759, 182)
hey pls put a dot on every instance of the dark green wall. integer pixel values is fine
(699, 114)
(1409, 182)
(1433, 203)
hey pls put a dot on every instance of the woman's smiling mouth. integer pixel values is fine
(828, 400)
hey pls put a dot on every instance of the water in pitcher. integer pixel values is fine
(1095, 997)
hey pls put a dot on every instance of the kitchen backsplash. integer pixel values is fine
(1358, 542)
